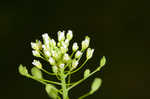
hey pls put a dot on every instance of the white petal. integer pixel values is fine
(75, 46)
(52, 61)
(69, 35)
(61, 65)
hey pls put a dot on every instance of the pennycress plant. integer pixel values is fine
(62, 64)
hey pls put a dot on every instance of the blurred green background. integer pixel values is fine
(119, 29)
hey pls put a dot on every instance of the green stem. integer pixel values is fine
(43, 80)
(47, 72)
(63, 84)
(85, 95)
(69, 79)
(72, 54)
(78, 82)
(79, 67)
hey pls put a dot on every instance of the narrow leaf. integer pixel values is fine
(36, 72)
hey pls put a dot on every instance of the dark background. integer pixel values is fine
(119, 29)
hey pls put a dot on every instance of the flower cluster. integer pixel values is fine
(56, 53)
(63, 64)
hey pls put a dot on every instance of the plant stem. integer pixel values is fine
(79, 67)
(64, 87)
(85, 95)
(78, 82)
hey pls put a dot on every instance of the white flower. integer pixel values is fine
(85, 43)
(63, 47)
(44, 47)
(36, 53)
(39, 44)
(75, 46)
(55, 69)
(66, 57)
(46, 38)
(55, 54)
(47, 53)
(63, 44)
(53, 43)
(34, 46)
(78, 54)
(69, 35)
(61, 65)
(61, 36)
(74, 63)
(67, 42)
(52, 61)
(37, 64)
(89, 53)
(63, 50)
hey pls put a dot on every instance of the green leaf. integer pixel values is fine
(95, 85)
(102, 61)
(23, 70)
(51, 91)
(86, 73)
(36, 73)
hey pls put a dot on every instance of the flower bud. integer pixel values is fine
(69, 35)
(37, 64)
(52, 61)
(67, 42)
(89, 53)
(85, 43)
(75, 46)
(52, 42)
(44, 47)
(78, 54)
(63, 44)
(58, 44)
(47, 53)
(55, 69)
(61, 36)
(55, 54)
(66, 57)
(46, 38)
(36, 53)
(33, 45)
(74, 63)
(63, 49)
(37, 45)
(61, 65)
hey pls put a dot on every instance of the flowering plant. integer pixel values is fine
(62, 64)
